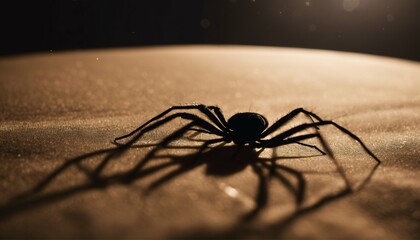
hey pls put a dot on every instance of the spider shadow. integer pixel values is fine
(39, 196)
(218, 161)
(275, 229)
(223, 161)
(228, 160)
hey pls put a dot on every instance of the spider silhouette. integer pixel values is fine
(245, 128)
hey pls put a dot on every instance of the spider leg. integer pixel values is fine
(305, 126)
(208, 143)
(274, 142)
(175, 135)
(331, 155)
(289, 117)
(198, 131)
(199, 122)
(219, 114)
(311, 146)
(196, 121)
(202, 108)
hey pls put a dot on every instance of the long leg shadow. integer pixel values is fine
(273, 231)
(220, 161)
(33, 198)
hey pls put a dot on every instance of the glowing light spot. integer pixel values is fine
(350, 5)
(307, 3)
(231, 192)
(97, 59)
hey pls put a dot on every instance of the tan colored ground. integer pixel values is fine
(60, 111)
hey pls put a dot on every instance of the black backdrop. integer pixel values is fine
(383, 27)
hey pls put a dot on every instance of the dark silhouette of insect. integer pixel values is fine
(246, 128)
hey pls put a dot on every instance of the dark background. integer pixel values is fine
(383, 27)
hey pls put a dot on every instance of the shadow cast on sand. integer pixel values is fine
(245, 229)
(220, 160)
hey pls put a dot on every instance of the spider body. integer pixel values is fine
(246, 127)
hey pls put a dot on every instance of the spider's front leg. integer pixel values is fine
(219, 114)
(286, 134)
(217, 119)
(285, 138)
(288, 117)
(197, 122)
(280, 141)
(206, 126)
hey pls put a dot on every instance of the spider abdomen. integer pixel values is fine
(246, 127)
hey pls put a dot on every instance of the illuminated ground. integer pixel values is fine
(67, 107)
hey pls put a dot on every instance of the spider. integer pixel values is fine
(244, 128)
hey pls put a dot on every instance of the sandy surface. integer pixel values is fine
(60, 111)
